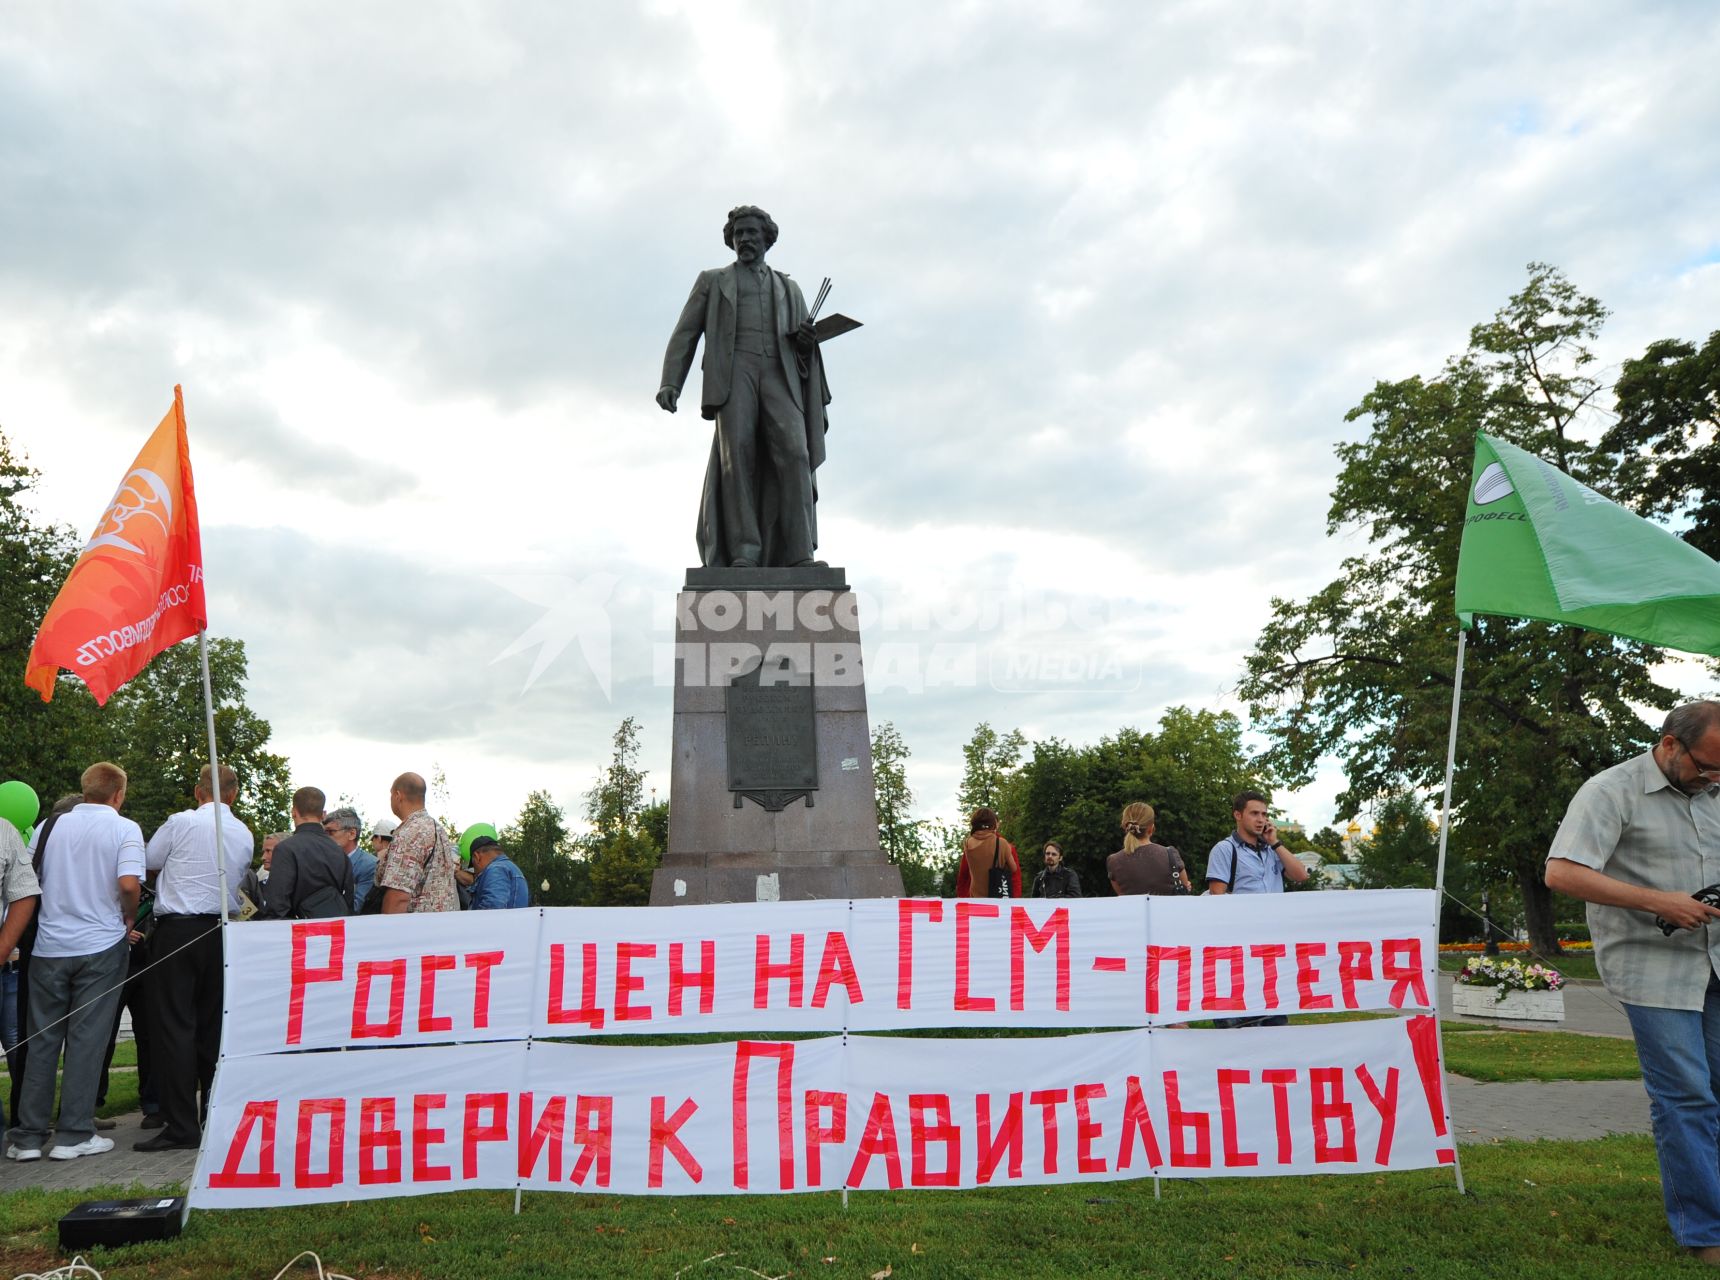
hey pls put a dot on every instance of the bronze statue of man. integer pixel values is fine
(764, 386)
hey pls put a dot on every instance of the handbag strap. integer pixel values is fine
(36, 862)
(996, 850)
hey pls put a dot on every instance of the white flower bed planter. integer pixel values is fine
(1525, 1006)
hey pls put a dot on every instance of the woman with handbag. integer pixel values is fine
(1141, 866)
(989, 867)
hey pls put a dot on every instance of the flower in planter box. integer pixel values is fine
(1510, 975)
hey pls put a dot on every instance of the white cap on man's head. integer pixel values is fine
(384, 827)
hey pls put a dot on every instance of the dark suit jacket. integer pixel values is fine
(306, 863)
(711, 313)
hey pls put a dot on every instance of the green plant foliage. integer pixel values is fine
(622, 849)
(538, 842)
(1362, 670)
(1188, 771)
(154, 728)
(903, 838)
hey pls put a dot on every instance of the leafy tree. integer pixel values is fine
(538, 842)
(1187, 771)
(616, 801)
(988, 760)
(154, 728)
(621, 850)
(654, 822)
(1404, 850)
(1328, 842)
(46, 744)
(621, 870)
(901, 836)
(1666, 440)
(1362, 670)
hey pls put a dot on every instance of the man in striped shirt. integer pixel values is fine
(1638, 842)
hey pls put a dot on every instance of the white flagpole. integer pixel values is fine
(1439, 888)
(1450, 766)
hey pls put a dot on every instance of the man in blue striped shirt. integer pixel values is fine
(1251, 859)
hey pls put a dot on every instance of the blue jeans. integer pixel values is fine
(1680, 1054)
(8, 1027)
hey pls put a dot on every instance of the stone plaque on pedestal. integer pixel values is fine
(770, 784)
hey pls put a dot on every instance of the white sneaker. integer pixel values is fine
(23, 1153)
(89, 1147)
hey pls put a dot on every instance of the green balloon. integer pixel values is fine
(19, 806)
(470, 834)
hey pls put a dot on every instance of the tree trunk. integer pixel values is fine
(1538, 913)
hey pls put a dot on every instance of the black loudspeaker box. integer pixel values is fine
(109, 1223)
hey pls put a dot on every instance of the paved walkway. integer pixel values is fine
(121, 1167)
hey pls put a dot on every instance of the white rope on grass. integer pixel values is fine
(321, 1274)
(76, 1267)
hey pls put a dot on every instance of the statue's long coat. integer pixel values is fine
(710, 311)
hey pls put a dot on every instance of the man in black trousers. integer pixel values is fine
(311, 878)
(185, 989)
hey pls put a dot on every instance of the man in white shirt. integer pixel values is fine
(185, 992)
(92, 874)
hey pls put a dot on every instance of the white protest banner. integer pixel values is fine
(1247, 954)
(868, 965)
(775, 1117)
(375, 980)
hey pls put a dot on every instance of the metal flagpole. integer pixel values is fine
(1439, 888)
(221, 875)
(215, 784)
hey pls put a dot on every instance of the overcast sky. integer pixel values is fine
(1122, 269)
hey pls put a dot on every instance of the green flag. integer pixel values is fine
(1536, 544)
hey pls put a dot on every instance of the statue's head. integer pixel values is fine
(749, 211)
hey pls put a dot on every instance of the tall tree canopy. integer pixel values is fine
(154, 728)
(901, 836)
(1188, 771)
(1362, 670)
(621, 849)
(1667, 437)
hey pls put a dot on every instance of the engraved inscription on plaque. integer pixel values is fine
(772, 747)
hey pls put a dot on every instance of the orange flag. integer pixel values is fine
(137, 588)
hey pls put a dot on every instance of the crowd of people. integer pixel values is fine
(98, 923)
(1250, 859)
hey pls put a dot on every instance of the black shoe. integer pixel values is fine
(164, 1142)
(103, 1122)
(152, 1121)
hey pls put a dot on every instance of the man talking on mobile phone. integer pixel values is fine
(1251, 859)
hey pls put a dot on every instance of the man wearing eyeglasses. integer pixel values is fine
(1637, 841)
(343, 827)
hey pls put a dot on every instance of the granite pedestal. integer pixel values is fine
(801, 627)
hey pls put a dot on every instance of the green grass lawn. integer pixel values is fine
(1547, 1209)
(1484, 1053)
